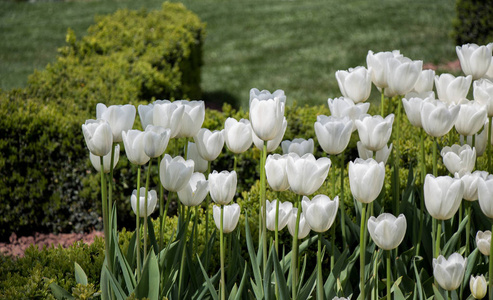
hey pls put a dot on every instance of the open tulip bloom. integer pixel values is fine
(374, 131)
(298, 146)
(449, 273)
(195, 191)
(333, 133)
(209, 143)
(120, 117)
(193, 117)
(474, 60)
(98, 136)
(306, 174)
(471, 118)
(459, 159)
(345, 107)
(437, 118)
(403, 73)
(451, 89)
(355, 84)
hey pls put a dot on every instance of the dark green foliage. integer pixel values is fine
(473, 22)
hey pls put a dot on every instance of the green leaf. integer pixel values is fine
(80, 275)
(211, 287)
(281, 280)
(258, 288)
(152, 235)
(438, 296)
(116, 288)
(242, 284)
(127, 271)
(59, 292)
(450, 246)
(149, 282)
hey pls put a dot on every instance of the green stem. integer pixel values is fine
(110, 182)
(333, 229)
(397, 160)
(276, 229)
(388, 275)
(438, 237)
(221, 245)
(106, 223)
(435, 144)
(235, 162)
(207, 212)
(161, 207)
(263, 203)
(148, 176)
(421, 198)
(137, 227)
(182, 264)
(382, 103)
(294, 256)
(196, 220)
(489, 144)
(320, 283)
(341, 202)
(186, 148)
(362, 250)
(468, 226)
(490, 272)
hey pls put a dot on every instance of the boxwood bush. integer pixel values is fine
(473, 22)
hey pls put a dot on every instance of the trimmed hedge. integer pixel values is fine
(474, 22)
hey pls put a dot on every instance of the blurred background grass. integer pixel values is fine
(292, 45)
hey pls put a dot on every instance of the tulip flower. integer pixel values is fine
(96, 161)
(485, 194)
(451, 89)
(266, 113)
(168, 115)
(449, 273)
(303, 226)
(480, 141)
(306, 174)
(378, 63)
(209, 143)
(275, 171)
(387, 231)
(437, 118)
(320, 212)
(98, 136)
(355, 84)
(120, 117)
(345, 107)
(403, 74)
(374, 131)
(483, 241)
(134, 143)
(412, 107)
(471, 182)
(151, 202)
(366, 179)
(175, 173)
(193, 117)
(333, 133)
(237, 135)
(460, 159)
(483, 94)
(156, 140)
(478, 286)
(471, 118)
(271, 144)
(298, 146)
(200, 165)
(474, 60)
(195, 190)
(231, 216)
(284, 214)
(425, 82)
(381, 155)
(443, 196)
(222, 186)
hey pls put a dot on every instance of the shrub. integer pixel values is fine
(473, 22)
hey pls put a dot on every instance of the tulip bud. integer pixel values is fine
(412, 107)
(271, 144)
(387, 231)
(471, 118)
(366, 179)
(485, 194)
(168, 115)
(275, 171)
(374, 131)
(451, 89)
(437, 118)
(237, 135)
(483, 242)
(266, 113)
(156, 140)
(200, 165)
(355, 84)
(209, 143)
(222, 186)
(382, 155)
(471, 182)
(98, 136)
(403, 74)
(449, 273)
(151, 202)
(425, 82)
(378, 63)
(193, 117)
(345, 107)
(231, 215)
(333, 133)
(443, 196)
(483, 94)
(478, 286)
(134, 143)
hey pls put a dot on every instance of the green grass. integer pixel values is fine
(292, 45)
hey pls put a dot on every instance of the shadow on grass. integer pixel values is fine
(216, 99)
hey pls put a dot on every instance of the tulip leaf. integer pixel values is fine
(59, 292)
(149, 280)
(127, 271)
(253, 260)
(436, 291)
(471, 263)
(330, 283)
(116, 289)
(280, 279)
(130, 256)
(105, 283)
(450, 246)
(242, 284)
(307, 289)
(208, 281)
(398, 295)
(80, 275)
(152, 235)
(418, 280)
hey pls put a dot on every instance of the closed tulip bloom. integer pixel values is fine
(298, 146)
(489, 73)
(355, 84)
(412, 107)
(275, 171)
(168, 115)
(382, 155)
(209, 143)
(134, 143)
(200, 165)
(231, 216)
(449, 273)
(306, 174)
(151, 202)
(222, 186)
(474, 60)
(451, 89)
(403, 74)
(156, 140)
(483, 242)
(303, 227)
(387, 231)
(146, 114)
(460, 159)
(443, 196)
(485, 194)
(96, 161)
(345, 107)
(378, 63)
(366, 179)
(483, 94)
(425, 82)
(320, 212)
(193, 117)
(194, 191)
(471, 118)
(271, 144)
(374, 131)
(237, 135)
(471, 182)
(98, 136)
(437, 118)
(333, 133)
(120, 117)
(266, 113)
(284, 214)
(478, 286)
(175, 173)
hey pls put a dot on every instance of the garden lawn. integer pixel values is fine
(292, 45)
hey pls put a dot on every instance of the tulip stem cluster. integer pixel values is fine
(263, 204)
(388, 274)
(162, 213)
(145, 206)
(343, 208)
(106, 222)
(398, 156)
(182, 263)
(294, 251)
(221, 245)
(137, 225)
